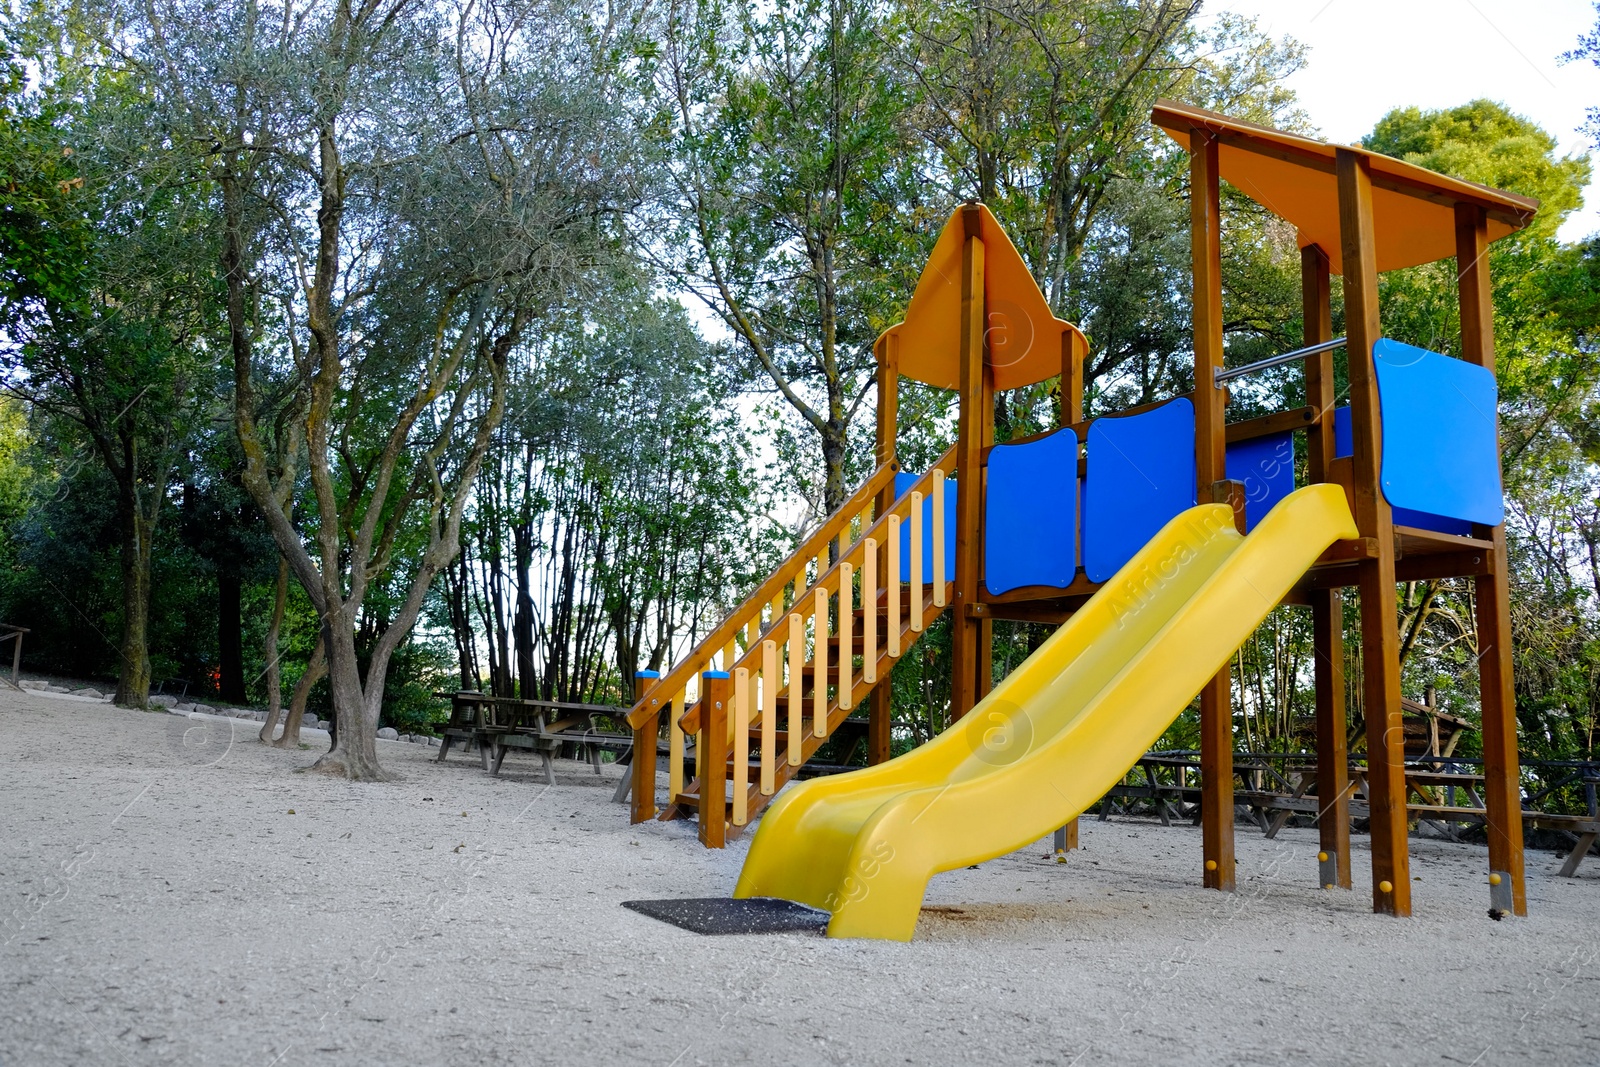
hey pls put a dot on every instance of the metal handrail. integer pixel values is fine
(1225, 376)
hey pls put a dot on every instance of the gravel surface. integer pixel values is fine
(171, 896)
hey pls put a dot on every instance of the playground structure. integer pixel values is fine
(1188, 528)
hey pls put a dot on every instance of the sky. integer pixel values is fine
(1369, 56)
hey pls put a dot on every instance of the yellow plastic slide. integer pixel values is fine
(1054, 736)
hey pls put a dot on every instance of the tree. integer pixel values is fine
(106, 293)
(414, 184)
(1589, 48)
(618, 512)
(791, 197)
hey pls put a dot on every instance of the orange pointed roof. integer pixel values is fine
(1413, 208)
(1025, 338)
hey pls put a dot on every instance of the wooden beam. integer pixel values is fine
(964, 631)
(1380, 641)
(1497, 696)
(1267, 425)
(880, 704)
(1327, 605)
(887, 352)
(1071, 405)
(1216, 709)
(1316, 309)
(1051, 612)
(879, 720)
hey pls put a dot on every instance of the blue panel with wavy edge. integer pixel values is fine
(1441, 455)
(1030, 514)
(1140, 474)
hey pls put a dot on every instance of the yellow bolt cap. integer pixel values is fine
(1385, 887)
(1494, 879)
(1322, 857)
(1211, 865)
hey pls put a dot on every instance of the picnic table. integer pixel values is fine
(498, 726)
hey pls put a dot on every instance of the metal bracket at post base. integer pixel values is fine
(1501, 903)
(1327, 870)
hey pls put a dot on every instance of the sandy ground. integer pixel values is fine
(169, 901)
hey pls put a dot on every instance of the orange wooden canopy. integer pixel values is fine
(1413, 208)
(1025, 339)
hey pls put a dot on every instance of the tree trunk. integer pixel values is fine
(315, 669)
(522, 619)
(230, 636)
(133, 683)
(280, 604)
(354, 754)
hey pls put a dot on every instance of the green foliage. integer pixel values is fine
(1485, 143)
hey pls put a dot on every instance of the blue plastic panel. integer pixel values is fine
(1423, 429)
(1030, 516)
(902, 486)
(1140, 474)
(1344, 438)
(1344, 445)
(1440, 452)
(1266, 467)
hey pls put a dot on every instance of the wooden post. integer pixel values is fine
(1380, 641)
(1327, 605)
(643, 769)
(1071, 400)
(1216, 706)
(965, 632)
(1502, 788)
(716, 694)
(880, 707)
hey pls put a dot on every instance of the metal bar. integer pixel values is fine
(1222, 377)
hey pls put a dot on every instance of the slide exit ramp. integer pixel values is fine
(1051, 738)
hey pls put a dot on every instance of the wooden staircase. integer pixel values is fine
(749, 694)
(687, 802)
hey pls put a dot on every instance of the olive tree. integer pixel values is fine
(408, 185)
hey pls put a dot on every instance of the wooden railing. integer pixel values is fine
(763, 645)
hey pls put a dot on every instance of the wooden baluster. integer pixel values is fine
(892, 583)
(675, 748)
(729, 654)
(770, 680)
(741, 746)
(775, 610)
(819, 681)
(869, 612)
(916, 562)
(847, 621)
(797, 661)
(702, 698)
(938, 539)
